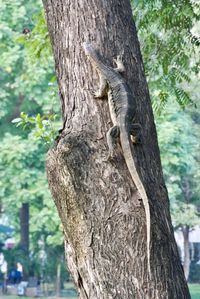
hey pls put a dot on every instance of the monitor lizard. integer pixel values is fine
(122, 108)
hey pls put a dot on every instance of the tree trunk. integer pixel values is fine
(186, 264)
(58, 279)
(24, 237)
(24, 227)
(103, 217)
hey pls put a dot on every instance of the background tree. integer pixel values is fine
(169, 38)
(28, 85)
(179, 144)
(22, 163)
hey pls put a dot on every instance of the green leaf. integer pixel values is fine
(16, 120)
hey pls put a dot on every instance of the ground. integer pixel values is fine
(17, 297)
(194, 290)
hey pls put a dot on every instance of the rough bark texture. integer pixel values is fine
(104, 222)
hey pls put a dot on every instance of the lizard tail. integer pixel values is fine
(126, 145)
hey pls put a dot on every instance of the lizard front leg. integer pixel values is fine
(112, 135)
(120, 66)
(103, 86)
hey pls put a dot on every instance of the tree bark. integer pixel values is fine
(24, 237)
(58, 279)
(186, 263)
(24, 228)
(103, 217)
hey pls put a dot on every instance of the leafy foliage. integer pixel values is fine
(22, 179)
(29, 85)
(37, 41)
(179, 143)
(170, 47)
(42, 127)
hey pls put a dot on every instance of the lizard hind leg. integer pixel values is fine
(135, 132)
(112, 134)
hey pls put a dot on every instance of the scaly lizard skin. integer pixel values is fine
(122, 112)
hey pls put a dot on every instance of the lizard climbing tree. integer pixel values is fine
(104, 203)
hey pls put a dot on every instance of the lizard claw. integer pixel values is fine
(96, 94)
(118, 61)
(136, 139)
